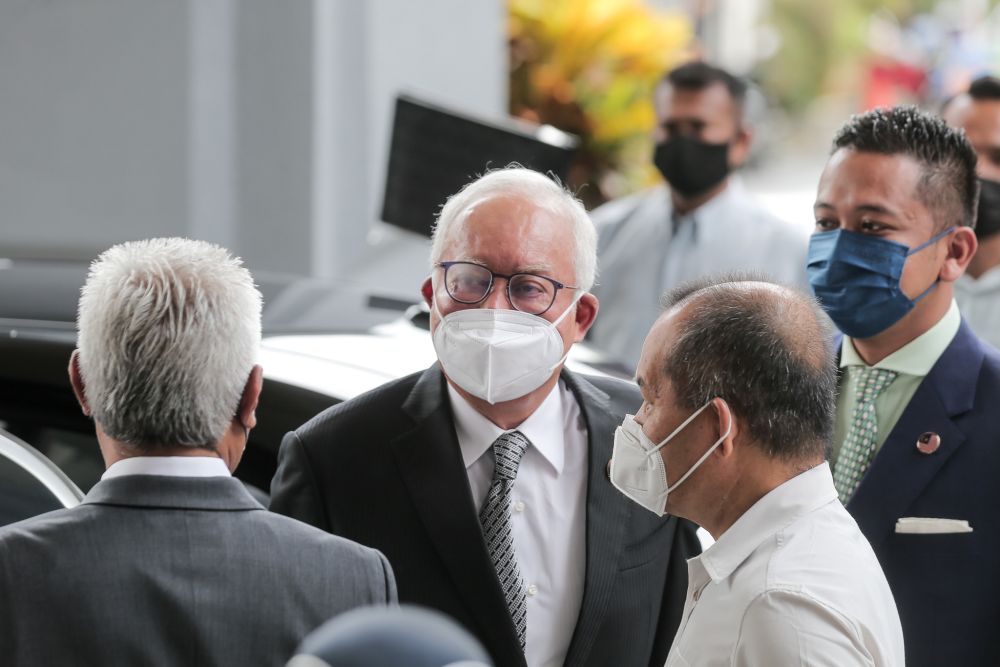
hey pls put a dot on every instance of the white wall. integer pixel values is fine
(261, 125)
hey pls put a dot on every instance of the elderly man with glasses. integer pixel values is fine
(483, 479)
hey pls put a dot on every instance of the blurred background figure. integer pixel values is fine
(977, 292)
(407, 636)
(702, 221)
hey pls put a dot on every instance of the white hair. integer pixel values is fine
(169, 332)
(543, 192)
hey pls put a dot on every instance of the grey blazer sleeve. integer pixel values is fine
(294, 489)
(391, 596)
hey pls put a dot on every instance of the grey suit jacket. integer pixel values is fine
(153, 570)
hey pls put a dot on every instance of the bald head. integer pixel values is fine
(765, 349)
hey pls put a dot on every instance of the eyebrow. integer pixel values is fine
(864, 208)
(540, 269)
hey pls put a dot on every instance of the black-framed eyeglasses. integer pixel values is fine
(468, 283)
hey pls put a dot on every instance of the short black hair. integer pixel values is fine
(763, 348)
(698, 75)
(985, 88)
(948, 187)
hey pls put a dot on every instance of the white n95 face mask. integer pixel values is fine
(638, 470)
(499, 355)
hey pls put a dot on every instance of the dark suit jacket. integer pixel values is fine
(947, 587)
(172, 571)
(385, 469)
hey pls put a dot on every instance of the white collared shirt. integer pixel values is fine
(548, 512)
(979, 301)
(170, 466)
(792, 582)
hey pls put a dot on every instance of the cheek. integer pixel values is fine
(921, 270)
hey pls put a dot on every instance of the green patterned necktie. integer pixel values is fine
(858, 449)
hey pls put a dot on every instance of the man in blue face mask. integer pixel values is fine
(915, 455)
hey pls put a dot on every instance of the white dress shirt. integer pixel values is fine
(548, 512)
(169, 466)
(645, 249)
(792, 582)
(979, 302)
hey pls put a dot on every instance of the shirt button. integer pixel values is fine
(519, 506)
(532, 590)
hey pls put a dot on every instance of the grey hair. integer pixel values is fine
(169, 331)
(763, 348)
(543, 192)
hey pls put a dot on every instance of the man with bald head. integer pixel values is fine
(483, 477)
(738, 388)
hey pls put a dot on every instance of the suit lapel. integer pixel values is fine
(431, 466)
(607, 515)
(900, 472)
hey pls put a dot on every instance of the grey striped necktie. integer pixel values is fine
(495, 519)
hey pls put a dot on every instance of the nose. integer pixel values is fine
(497, 298)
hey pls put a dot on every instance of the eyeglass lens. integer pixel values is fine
(470, 283)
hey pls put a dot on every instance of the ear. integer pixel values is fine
(247, 412)
(427, 291)
(961, 247)
(739, 149)
(586, 313)
(76, 381)
(725, 427)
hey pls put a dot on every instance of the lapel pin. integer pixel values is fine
(928, 443)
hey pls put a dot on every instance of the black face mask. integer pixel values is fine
(691, 166)
(988, 215)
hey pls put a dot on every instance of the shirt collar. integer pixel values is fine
(544, 429)
(710, 220)
(916, 357)
(797, 497)
(170, 466)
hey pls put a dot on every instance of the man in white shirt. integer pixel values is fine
(702, 221)
(977, 291)
(738, 385)
(483, 478)
(168, 559)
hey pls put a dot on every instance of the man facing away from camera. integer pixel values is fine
(738, 386)
(169, 560)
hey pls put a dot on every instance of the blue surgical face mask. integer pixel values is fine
(856, 278)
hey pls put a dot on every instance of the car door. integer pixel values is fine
(30, 484)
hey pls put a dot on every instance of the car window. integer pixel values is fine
(29, 483)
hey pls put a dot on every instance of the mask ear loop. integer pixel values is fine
(677, 430)
(934, 239)
(697, 464)
(555, 323)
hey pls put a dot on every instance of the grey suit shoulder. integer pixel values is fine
(167, 570)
